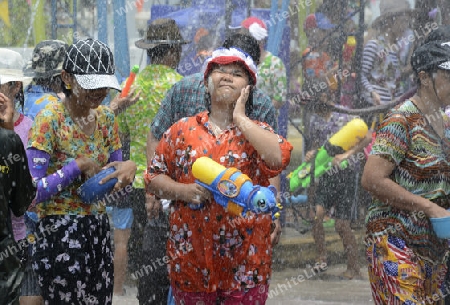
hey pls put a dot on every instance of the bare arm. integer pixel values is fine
(264, 141)
(152, 142)
(165, 187)
(359, 147)
(376, 180)
(276, 225)
(152, 204)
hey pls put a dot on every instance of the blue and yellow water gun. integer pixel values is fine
(234, 190)
(339, 143)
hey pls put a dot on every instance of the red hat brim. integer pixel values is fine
(226, 60)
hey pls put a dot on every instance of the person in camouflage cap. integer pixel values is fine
(45, 66)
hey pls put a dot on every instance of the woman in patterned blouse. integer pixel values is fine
(71, 141)
(213, 255)
(408, 173)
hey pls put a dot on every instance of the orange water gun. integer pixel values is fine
(130, 81)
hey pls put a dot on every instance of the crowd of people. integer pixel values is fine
(58, 134)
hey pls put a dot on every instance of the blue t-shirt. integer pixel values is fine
(36, 98)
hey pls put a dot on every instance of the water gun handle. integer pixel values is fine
(130, 81)
(232, 206)
(299, 176)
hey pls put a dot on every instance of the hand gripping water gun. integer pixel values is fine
(339, 143)
(234, 190)
(130, 81)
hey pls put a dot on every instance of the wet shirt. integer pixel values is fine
(422, 167)
(315, 64)
(321, 129)
(272, 77)
(153, 82)
(55, 133)
(21, 126)
(36, 98)
(16, 193)
(381, 71)
(209, 248)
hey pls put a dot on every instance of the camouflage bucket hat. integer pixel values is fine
(47, 59)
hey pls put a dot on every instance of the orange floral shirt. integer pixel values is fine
(209, 248)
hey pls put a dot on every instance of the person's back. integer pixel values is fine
(163, 45)
(14, 173)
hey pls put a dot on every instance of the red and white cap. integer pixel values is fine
(224, 56)
(256, 27)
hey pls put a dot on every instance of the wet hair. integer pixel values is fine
(19, 98)
(49, 83)
(441, 33)
(206, 42)
(67, 92)
(246, 43)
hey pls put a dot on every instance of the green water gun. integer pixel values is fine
(339, 143)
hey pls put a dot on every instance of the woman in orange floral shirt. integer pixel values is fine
(216, 256)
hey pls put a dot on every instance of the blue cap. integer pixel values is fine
(323, 22)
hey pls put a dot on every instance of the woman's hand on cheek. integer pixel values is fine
(239, 108)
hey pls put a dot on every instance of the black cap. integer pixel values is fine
(432, 55)
(441, 33)
(92, 63)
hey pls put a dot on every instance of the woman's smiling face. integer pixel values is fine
(225, 82)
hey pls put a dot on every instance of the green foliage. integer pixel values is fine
(19, 16)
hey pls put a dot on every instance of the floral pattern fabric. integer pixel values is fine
(74, 263)
(153, 82)
(272, 78)
(55, 133)
(36, 98)
(211, 249)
